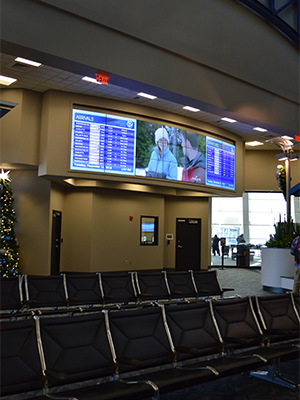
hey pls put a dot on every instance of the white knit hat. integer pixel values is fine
(161, 133)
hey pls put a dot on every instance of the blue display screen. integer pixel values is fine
(103, 143)
(147, 227)
(220, 170)
(122, 145)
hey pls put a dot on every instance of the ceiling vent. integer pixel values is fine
(16, 66)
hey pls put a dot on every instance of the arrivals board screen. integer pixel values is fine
(220, 170)
(115, 144)
(103, 143)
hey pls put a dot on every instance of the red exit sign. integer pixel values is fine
(103, 79)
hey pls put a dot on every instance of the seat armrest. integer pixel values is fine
(146, 295)
(277, 332)
(55, 374)
(108, 297)
(189, 350)
(203, 291)
(128, 361)
(235, 340)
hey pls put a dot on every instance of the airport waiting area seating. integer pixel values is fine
(144, 351)
(69, 291)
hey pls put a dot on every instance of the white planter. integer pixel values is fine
(276, 263)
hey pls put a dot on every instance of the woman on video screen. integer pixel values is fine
(163, 163)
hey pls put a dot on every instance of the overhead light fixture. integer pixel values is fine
(28, 62)
(287, 156)
(287, 137)
(92, 80)
(260, 129)
(147, 96)
(226, 119)
(282, 157)
(5, 80)
(189, 108)
(254, 143)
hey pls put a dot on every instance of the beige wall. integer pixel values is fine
(260, 170)
(99, 236)
(20, 129)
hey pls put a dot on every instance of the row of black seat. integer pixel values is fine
(145, 351)
(31, 292)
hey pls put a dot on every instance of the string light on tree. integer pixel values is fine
(9, 257)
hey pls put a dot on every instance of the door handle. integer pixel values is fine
(179, 245)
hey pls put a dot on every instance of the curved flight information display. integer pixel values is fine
(122, 145)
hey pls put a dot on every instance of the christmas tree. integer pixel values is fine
(9, 257)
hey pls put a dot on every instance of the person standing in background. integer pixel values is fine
(215, 245)
(240, 239)
(295, 251)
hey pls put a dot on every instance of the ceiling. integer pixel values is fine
(45, 77)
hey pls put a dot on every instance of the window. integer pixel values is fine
(149, 230)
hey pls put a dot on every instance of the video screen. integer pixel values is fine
(123, 145)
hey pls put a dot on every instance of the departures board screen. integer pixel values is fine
(115, 144)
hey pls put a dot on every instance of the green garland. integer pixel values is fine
(281, 179)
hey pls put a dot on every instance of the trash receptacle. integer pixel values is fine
(243, 256)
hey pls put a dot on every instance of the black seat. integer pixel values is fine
(83, 290)
(11, 294)
(278, 317)
(237, 324)
(152, 286)
(20, 363)
(45, 292)
(139, 339)
(239, 329)
(192, 330)
(142, 341)
(118, 288)
(78, 357)
(181, 285)
(207, 284)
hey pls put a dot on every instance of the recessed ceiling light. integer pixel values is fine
(28, 62)
(228, 120)
(260, 129)
(5, 80)
(92, 80)
(147, 96)
(193, 109)
(254, 143)
(287, 137)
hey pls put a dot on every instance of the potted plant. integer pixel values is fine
(277, 264)
(285, 233)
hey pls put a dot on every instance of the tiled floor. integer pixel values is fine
(242, 387)
(245, 282)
